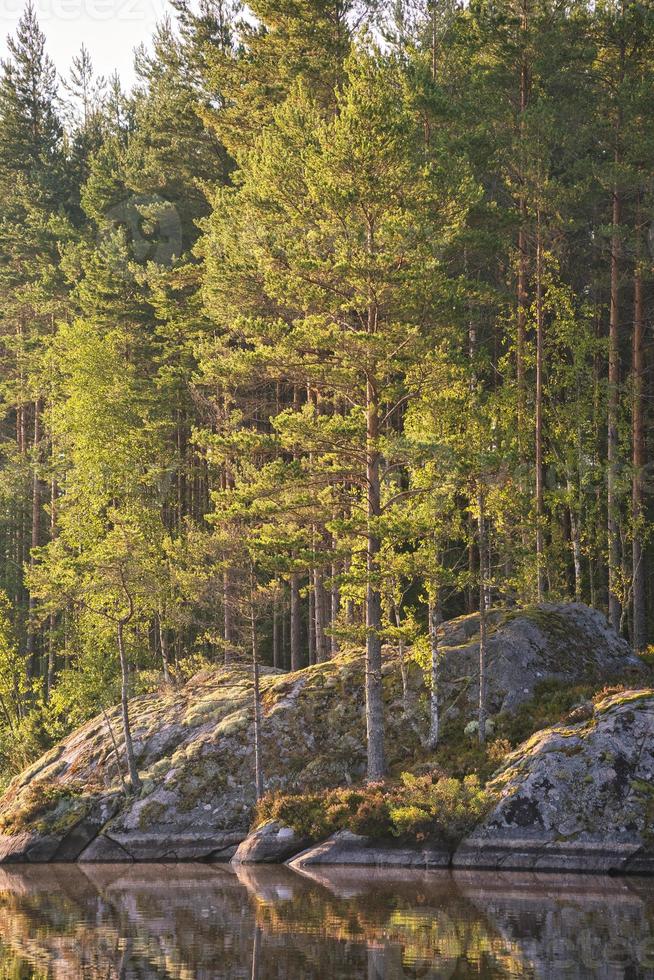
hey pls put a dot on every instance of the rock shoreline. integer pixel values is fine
(281, 846)
(345, 849)
(577, 797)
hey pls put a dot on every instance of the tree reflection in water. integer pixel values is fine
(211, 921)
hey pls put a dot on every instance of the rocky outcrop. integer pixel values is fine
(353, 849)
(575, 797)
(61, 834)
(565, 642)
(270, 844)
(184, 844)
(193, 743)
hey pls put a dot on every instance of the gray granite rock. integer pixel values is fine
(353, 849)
(191, 845)
(60, 842)
(575, 797)
(566, 642)
(194, 743)
(270, 844)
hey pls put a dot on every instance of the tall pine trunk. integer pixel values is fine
(228, 626)
(522, 265)
(124, 702)
(35, 539)
(334, 604)
(613, 449)
(483, 609)
(374, 692)
(575, 539)
(435, 620)
(52, 620)
(275, 636)
(540, 503)
(311, 626)
(638, 460)
(256, 698)
(296, 635)
(322, 652)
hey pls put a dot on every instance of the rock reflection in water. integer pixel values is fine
(209, 921)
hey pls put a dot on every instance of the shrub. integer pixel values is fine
(606, 692)
(498, 750)
(409, 819)
(449, 808)
(461, 756)
(416, 808)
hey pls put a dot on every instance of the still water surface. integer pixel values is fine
(211, 921)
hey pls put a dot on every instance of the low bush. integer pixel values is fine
(416, 808)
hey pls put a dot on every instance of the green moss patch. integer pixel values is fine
(47, 808)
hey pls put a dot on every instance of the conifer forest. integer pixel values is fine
(333, 327)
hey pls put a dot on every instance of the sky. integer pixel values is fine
(110, 29)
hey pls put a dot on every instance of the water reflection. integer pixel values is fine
(211, 921)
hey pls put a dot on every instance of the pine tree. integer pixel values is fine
(351, 229)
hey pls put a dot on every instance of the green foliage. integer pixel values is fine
(417, 808)
(296, 410)
(447, 807)
(460, 755)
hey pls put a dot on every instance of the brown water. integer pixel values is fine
(202, 921)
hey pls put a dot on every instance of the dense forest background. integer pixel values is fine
(337, 325)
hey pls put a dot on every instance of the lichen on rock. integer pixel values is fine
(576, 797)
(194, 743)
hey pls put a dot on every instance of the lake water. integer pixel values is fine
(211, 921)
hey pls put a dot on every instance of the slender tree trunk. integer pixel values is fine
(540, 505)
(374, 691)
(322, 652)
(401, 652)
(35, 539)
(115, 748)
(228, 627)
(182, 487)
(523, 273)
(638, 449)
(163, 642)
(124, 700)
(483, 609)
(296, 636)
(275, 636)
(349, 603)
(471, 598)
(334, 602)
(522, 262)
(575, 539)
(256, 696)
(52, 650)
(311, 625)
(613, 448)
(286, 639)
(435, 620)
(595, 568)
(521, 328)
